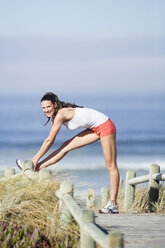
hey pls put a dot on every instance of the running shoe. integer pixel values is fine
(19, 163)
(110, 208)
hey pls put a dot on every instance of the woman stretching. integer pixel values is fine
(97, 126)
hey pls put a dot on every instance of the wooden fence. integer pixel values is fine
(90, 233)
(28, 171)
(153, 178)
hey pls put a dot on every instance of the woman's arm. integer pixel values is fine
(59, 119)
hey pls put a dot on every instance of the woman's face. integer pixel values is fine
(48, 108)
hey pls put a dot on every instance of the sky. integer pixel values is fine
(82, 47)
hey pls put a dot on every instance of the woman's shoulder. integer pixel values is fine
(64, 111)
(65, 114)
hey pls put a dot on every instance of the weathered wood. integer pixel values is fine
(104, 196)
(137, 180)
(89, 228)
(115, 240)
(30, 174)
(90, 198)
(12, 176)
(129, 190)
(158, 176)
(153, 186)
(154, 177)
(140, 230)
(28, 165)
(121, 182)
(9, 172)
(97, 234)
(66, 187)
(163, 177)
(45, 174)
(28, 169)
(73, 207)
(87, 216)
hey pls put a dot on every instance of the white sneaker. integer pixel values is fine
(19, 163)
(110, 208)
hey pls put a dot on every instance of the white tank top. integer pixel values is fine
(85, 118)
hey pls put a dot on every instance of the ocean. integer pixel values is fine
(140, 123)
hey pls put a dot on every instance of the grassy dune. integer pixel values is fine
(140, 204)
(29, 216)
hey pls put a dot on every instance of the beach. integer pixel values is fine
(140, 136)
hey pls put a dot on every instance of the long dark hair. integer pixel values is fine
(49, 96)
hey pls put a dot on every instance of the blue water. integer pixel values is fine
(140, 123)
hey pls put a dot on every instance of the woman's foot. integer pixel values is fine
(19, 163)
(110, 208)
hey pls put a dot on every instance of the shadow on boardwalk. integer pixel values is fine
(139, 230)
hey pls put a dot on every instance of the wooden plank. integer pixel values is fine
(137, 180)
(139, 230)
(158, 176)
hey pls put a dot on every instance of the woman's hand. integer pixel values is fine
(35, 162)
(61, 117)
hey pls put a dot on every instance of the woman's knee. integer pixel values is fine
(110, 165)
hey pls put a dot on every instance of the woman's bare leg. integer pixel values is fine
(84, 138)
(109, 150)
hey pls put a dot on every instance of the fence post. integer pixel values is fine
(153, 187)
(87, 216)
(27, 165)
(129, 190)
(104, 196)
(66, 187)
(9, 172)
(90, 198)
(115, 240)
(121, 182)
(45, 174)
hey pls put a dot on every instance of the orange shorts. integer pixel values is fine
(105, 129)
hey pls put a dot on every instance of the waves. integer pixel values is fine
(90, 164)
(140, 133)
(30, 140)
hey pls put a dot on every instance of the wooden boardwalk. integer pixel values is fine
(139, 230)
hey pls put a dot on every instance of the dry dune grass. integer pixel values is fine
(29, 213)
(140, 204)
(31, 208)
(160, 205)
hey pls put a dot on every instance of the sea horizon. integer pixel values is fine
(140, 133)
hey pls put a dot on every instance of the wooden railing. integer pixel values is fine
(153, 178)
(90, 233)
(28, 171)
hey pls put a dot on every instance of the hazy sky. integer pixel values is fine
(82, 47)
